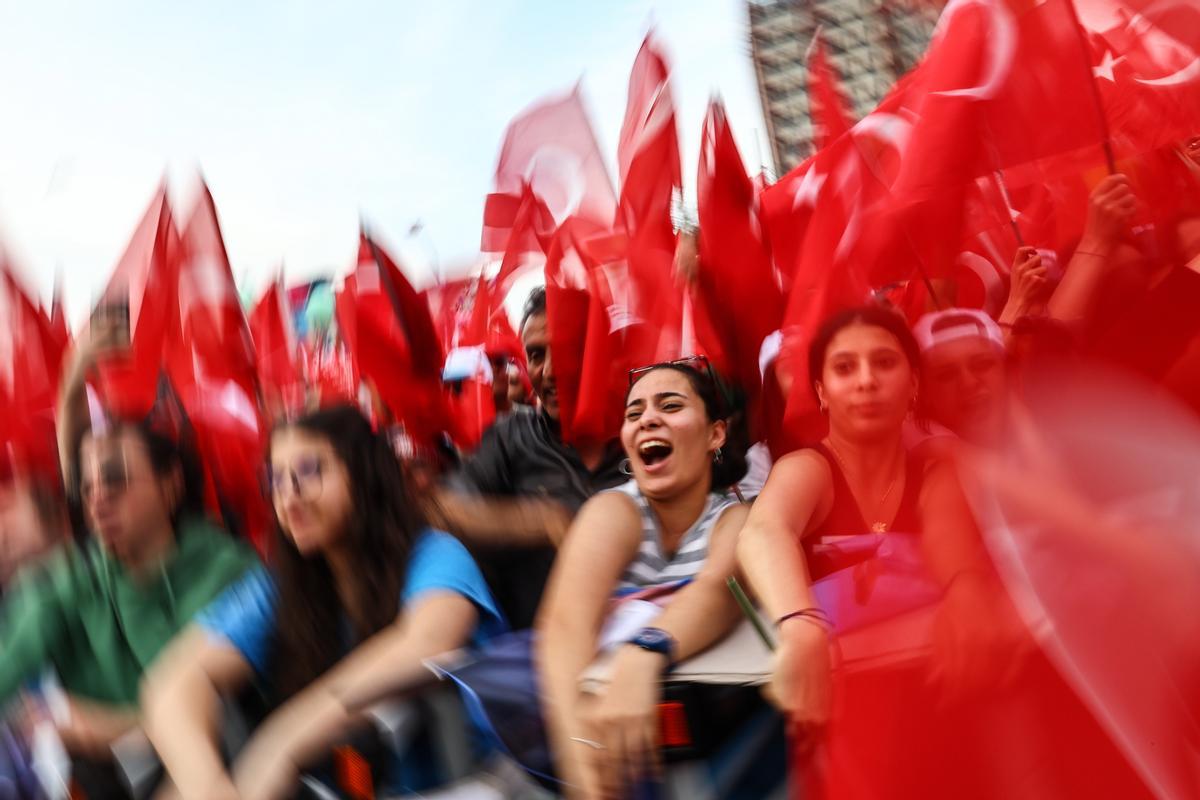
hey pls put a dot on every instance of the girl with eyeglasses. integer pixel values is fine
(671, 528)
(360, 592)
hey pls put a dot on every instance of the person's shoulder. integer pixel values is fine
(616, 506)
(434, 546)
(200, 534)
(514, 425)
(812, 458)
(799, 469)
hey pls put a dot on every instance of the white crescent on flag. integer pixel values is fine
(1001, 44)
(1142, 24)
(556, 176)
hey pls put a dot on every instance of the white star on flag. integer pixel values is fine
(807, 189)
(1105, 68)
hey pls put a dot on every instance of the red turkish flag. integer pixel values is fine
(648, 154)
(828, 106)
(449, 307)
(276, 350)
(213, 368)
(389, 332)
(532, 228)
(736, 287)
(30, 364)
(550, 148)
(144, 282)
(1004, 82)
(1146, 68)
(584, 325)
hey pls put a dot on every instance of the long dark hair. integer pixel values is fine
(875, 316)
(732, 466)
(384, 523)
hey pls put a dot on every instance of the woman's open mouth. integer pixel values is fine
(654, 453)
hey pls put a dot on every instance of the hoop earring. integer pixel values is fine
(718, 456)
(625, 467)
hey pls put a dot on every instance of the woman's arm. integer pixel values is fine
(625, 717)
(979, 637)
(602, 541)
(798, 493)
(1111, 206)
(304, 728)
(181, 701)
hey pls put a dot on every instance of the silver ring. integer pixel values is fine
(589, 742)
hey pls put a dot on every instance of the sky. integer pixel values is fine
(305, 117)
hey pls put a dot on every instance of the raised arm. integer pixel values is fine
(603, 540)
(105, 336)
(1110, 208)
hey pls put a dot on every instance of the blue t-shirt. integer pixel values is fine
(244, 615)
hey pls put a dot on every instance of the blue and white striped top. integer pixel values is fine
(651, 567)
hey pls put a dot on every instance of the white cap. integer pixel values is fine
(950, 324)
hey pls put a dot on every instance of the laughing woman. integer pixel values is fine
(672, 525)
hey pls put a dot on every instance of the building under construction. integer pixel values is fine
(870, 43)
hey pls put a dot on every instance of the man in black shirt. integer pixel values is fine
(514, 499)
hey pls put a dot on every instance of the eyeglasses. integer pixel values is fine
(112, 475)
(304, 478)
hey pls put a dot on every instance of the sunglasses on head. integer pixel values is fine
(699, 364)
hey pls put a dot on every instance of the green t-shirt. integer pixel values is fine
(100, 628)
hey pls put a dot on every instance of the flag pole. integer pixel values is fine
(1085, 55)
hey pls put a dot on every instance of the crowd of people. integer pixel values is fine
(151, 614)
(961, 536)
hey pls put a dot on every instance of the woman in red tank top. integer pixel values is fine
(859, 479)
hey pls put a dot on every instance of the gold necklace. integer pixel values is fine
(878, 526)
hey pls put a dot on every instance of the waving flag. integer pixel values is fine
(30, 364)
(392, 339)
(828, 106)
(551, 149)
(277, 351)
(143, 288)
(213, 369)
(736, 289)
(650, 180)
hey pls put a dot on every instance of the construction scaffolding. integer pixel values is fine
(871, 43)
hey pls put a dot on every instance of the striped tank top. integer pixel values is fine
(651, 567)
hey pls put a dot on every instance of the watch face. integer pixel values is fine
(654, 639)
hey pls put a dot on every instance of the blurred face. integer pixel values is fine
(24, 536)
(964, 385)
(516, 387)
(310, 490)
(866, 382)
(667, 435)
(536, 338)
(128, 505)
(500, 384)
